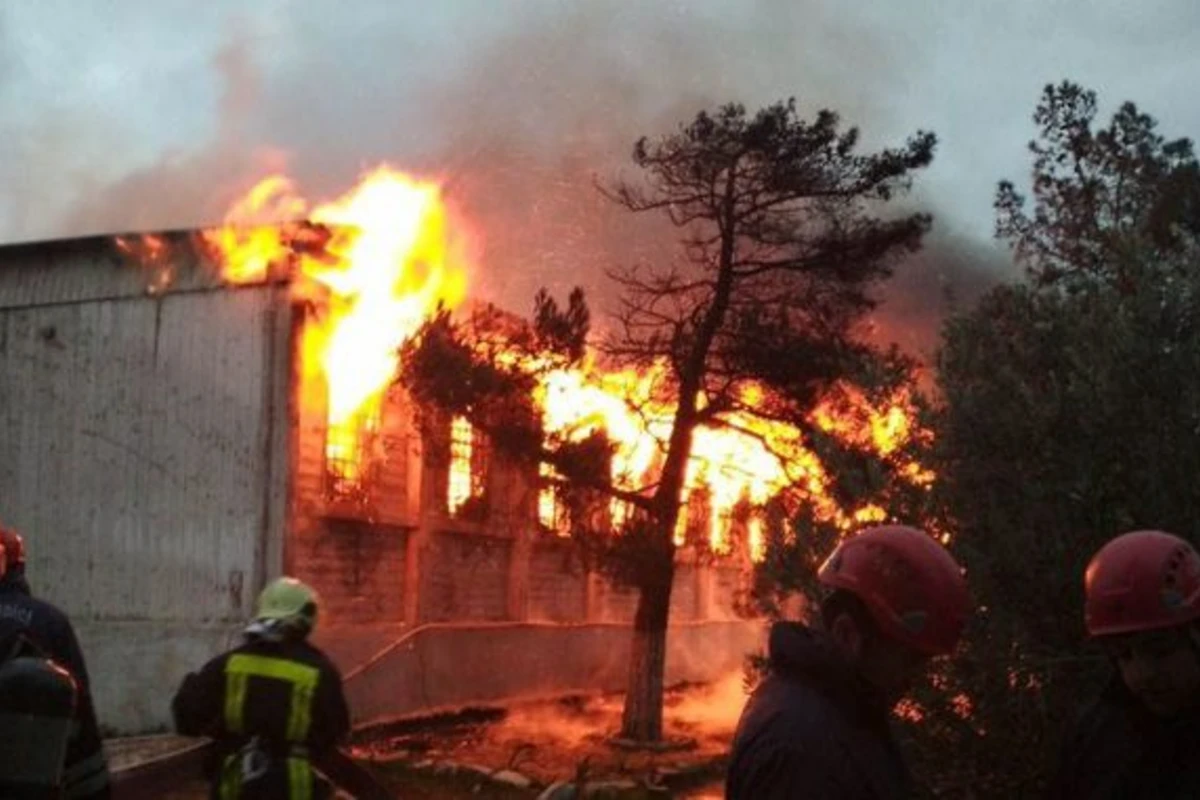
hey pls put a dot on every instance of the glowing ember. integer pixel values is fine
(154, 253)
(388, 262)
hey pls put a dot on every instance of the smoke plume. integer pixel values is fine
(533, 106)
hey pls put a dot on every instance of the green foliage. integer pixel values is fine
(1069, 419)
(1098, 192)
(1070, 413)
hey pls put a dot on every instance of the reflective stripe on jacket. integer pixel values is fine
(272, 708)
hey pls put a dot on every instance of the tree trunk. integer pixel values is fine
(642, 717)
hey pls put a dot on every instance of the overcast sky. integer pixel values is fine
(124, 114)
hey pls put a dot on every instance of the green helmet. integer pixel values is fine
(289, 602)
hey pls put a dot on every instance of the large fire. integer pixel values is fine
(380, 259)
(745, 460)
(388, 264)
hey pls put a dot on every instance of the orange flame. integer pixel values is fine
(153, 252)
(377, 261)
(747, 459)
(388, 262)
(252, 240)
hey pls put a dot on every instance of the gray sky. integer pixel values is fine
(134, 114)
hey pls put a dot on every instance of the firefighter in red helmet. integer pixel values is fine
(42, 649)
(1141, 739)
(817, 726)
(14, 547)
(38, 699)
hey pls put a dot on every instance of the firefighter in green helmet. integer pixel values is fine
(274, 706)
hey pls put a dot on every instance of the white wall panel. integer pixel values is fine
(134, 452)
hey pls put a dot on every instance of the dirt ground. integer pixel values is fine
(411, 790)
(194, 791)
(544, 740)
(552, 740)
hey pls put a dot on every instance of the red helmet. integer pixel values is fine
(913, 587)
(14, 546)
(1141, 581)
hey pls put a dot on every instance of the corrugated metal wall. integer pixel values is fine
(134, 431)
(144, 445)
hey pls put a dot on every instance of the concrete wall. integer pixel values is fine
(444, 666)
(558, 584)
(135, 667)
(141, 457)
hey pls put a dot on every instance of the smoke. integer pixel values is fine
(587, 722)
(182, 190)
(714, 709)
(946, 276)
(519, 111)
(543, 115)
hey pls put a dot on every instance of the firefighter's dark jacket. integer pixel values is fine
(49, 629)
(813, 728)
(1117, 750)
(199, 706)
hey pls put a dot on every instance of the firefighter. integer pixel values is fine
(43, 630)
(1141, 738)
(38, 700)
(818, 724)
(15, 548)
(274, 706)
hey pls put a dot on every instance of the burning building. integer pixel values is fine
(189, 414)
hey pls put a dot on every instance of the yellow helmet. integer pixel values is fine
(289, 602)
